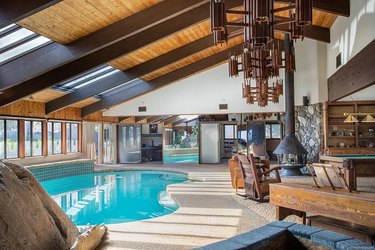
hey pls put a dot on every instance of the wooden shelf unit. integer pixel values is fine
(356, 137)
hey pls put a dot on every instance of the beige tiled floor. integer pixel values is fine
(207, 213)
(209, 210)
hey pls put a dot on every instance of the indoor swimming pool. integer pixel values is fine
(114, 197)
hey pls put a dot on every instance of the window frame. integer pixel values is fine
(233, 135)
(5, 144)
(32, 138)
(271, 128)
(68, 139)
(53, 150)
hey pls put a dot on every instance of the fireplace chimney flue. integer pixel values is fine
(290, 149)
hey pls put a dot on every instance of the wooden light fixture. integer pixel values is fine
(352, 117)
(368, 118)
(262, 56)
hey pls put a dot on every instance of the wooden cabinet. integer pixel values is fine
(348, 138)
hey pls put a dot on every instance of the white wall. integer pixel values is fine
(306, 77)
(315, 62)
(202, 93)
(199, 94)
(349, 35)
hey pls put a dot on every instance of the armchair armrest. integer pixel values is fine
(271, 169)
(277, 174)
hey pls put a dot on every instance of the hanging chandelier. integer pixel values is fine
(262, 56)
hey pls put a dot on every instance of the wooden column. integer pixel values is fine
(63, 138)
(21, 139)
(44, 138)
(80, 130)
(325, 126)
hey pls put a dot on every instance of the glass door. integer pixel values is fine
(129, 143)
(209, 143)
(109, 143)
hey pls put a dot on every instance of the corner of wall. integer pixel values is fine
(322, 72)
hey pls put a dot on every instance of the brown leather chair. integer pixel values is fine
(235, 173)
(256, 181)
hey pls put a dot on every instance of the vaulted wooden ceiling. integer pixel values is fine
(152, 42)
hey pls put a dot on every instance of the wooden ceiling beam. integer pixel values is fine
(122, 118)
(130, 74)
(141, 119)
(337, 7)
(314, 32)
(183, 120)
(171, 120)
(54, 63)
(156, 119)
(140, 87)
(358, 73)
(12, 11)
(128, 120)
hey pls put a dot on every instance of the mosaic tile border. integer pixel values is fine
(49, 171)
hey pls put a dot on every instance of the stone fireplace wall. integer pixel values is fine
(309, 129)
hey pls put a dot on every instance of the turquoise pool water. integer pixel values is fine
(114, 197)
(181, 158)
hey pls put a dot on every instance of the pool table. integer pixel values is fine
(353, 166)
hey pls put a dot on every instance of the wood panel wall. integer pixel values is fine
(24, 108)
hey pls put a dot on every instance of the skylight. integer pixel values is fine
(16, 41)
(87, 78)
(119, 87)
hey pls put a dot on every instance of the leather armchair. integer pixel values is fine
(235, 173)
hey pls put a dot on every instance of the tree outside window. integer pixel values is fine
(71, 137)
(11, 138)
(33, 138)
(54, 138)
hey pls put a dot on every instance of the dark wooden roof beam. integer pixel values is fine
(358, 73)
(337, 7)
(12, 11)
(140, 87)
(130, 74)
(55, 63)
(312, 31)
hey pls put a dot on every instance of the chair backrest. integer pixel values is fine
(246, 167)
(328, 176)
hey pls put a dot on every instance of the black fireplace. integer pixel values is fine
(290, 153)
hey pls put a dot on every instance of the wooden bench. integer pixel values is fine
(358, 208)
(360, 232)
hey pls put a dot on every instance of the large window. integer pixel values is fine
(71, 137)
(273, 131)
(8, 139)
(54, 137)
(33, 138)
